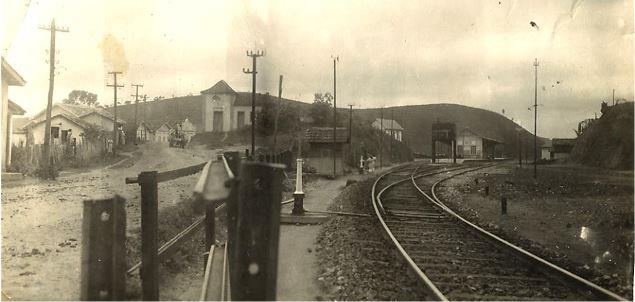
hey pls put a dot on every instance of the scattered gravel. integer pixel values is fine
(356, 261)
(560, 201)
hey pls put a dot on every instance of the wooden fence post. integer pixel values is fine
(255, 258)
(103, 266)
(149, 235)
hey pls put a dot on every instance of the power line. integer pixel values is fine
(47, 126)
(253, 72)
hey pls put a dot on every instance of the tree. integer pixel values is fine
(320, 110)
(288, 117)
(77, 97)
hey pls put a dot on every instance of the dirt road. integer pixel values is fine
(41, 220)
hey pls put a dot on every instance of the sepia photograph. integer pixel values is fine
(317, 150)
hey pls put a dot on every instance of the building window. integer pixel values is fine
(473, 150)
(55, 132)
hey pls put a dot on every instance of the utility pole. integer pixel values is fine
(613, 96)
(381, 138)
(136, 106)
(253, 72)
(392, 129)
(275, 122)
(350, 131)
(115, 134)
(46, 150)
(535, 117)
(335, 60)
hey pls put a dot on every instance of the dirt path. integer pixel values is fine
(41, 221)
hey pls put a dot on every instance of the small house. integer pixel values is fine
(390, 127)
(471, 145)
(19, 132)
(162, 134)
(320, 154)
(545, 151)
(65, 129)
(145, 131)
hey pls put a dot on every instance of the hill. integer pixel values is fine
(417, 123)
(608, 142)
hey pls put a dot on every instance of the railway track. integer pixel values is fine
(455, 259)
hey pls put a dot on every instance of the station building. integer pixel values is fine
(471, 145)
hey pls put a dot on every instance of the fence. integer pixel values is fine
(252, 205)
(32, 154)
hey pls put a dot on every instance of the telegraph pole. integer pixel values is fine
(275, 122)
(136, 106)
(335, 60)
(115, 134)
(392, 129)
(535, 116)
(381, 138)
(253, 72)
(46, 150)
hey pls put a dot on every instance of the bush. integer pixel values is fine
(51, 171)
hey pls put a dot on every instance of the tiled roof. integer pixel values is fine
(475, 133)
(387, 124)
(78, 121)
(325, 135)
(219, 88)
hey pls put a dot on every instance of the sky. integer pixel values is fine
(390, 53)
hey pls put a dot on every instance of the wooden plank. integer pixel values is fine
(178, 173)
(103, 263)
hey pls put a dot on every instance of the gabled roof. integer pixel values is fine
(466, 129)
(80, 111)
(387, 124)
(11, 76)
(73, 119)
(104, 113)
(19, 123)
(167, 126)
(15, 109)
(221, 87)
(325, 135)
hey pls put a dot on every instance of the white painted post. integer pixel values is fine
(298, 195)
(298, 177)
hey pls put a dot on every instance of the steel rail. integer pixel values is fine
(208, 272)
(601, 292)
(430, 287)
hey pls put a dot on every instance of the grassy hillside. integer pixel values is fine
(417, 121)
(608, 143)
